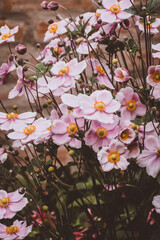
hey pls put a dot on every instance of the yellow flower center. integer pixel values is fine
(11, 115)
(29, 130)
(63, 70)
(53, 28)
(124, 135)
(100, 70)
(131, 105)
(11, 229)
(100, 106)
(57, 50)
(50, 128)
(6, 35)
(4, 202)
(97, 14)
(134, 127)
(148, 25)
(72, 128)
(121, 76)
(102, 132)
(158, 152)
(115, 8)
(114, 156)
(156, 77)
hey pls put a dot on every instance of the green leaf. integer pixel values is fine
(93, 80)
(132, 10)
(153, 4)
(41, 69)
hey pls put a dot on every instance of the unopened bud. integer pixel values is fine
(71, 153)
(53, 6)
(50, 169)
(15, 107)
(44, 5)
(114, 61)
(21, 49)
(45, 208)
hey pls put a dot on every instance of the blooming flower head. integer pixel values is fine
(153, 77)
(18, 89)
(99, 106)
(18, 230)
(156, 203)
(101, 134)
(151, 25)
(121, 75)
(5, 69)
(73, 102)
(130, 104)
(133, 149)
(11, 203)
(104, 75)
(150, 156)
(3, 155)
(7, 35)
(156, 47)
(29, 133)
(10, 120)
(55, 29)
(113, 156)
(65, 127)
(127, 135)
(114, 10)
(65, 75)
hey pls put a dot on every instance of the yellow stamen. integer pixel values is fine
(11, 229)
(11, 115)
(100, 106)
(4, 202)
(53, 28)
(29, 130)
(72, 128)
(63, 70)
(131, 105)
(6, 35)
(115, 8)
(100, 70)
(156, 77)
(102, 132)
(124, 135)
(97, 14)
(114, 156)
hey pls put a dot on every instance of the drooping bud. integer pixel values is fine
(50, 21)
(21, 49)
(21, 190)
(125, 24)
(61, 43)
(113, 38)
(53, 6)
(44, 5)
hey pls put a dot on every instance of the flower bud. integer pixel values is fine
(20, 61)
(61, 43)
(44, 5)
(125, 24)
(21, 49)
(99, 2)
(71, 153)
(21, 190)
(45, 208)
(50, 21)
(49, 101)
(114, 61)
(50, 169)
(11, 57)
(15, 107)
(25, 68)
(38, 45)
(53, 6)
(99, 21)
(78, 41)
(113, 38)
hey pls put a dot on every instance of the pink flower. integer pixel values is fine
(104, 75)
(10, 120)
(7, 35)
(5, 69)
(148, 130)
(17, 231)
(156, 203)
(114, 10)
(30, 133)
(152, 27)
(11, 203)
(127, 135)
(3, 155)
(156, 92)
(130, 104)
(55, 29)
(101, 134)
(121, 75)
(40, 216)
(134, 150)
(74, 103)
(84, 48)
(113, 156)
(150, 156)
(156, 47)
(153, 77)
(65, 127)
(99, 106)
(66, 73)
